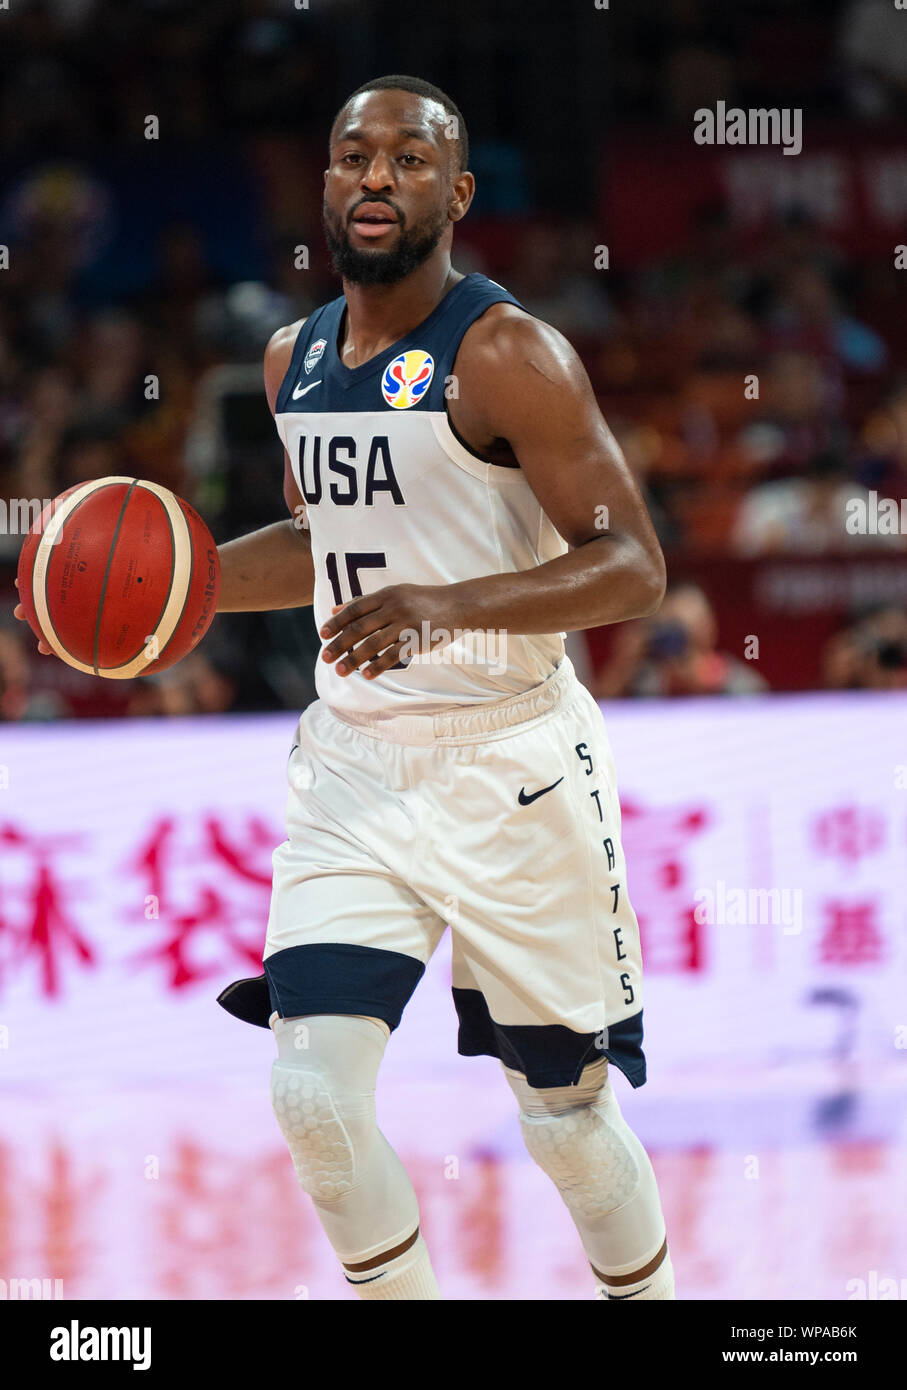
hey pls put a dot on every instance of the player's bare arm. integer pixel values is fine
(523, 388)
(271, 567)
(523, 397)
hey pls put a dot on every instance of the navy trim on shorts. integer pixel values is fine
(546, 1054)
(336, 978)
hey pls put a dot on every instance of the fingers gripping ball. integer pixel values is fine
(119, 577)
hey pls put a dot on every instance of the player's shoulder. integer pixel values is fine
(507, 341)
(278, 355)
(280, 344)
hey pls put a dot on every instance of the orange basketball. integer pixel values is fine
(119, 577)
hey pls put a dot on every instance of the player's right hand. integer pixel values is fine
(19, 612)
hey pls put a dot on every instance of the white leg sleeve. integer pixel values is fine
(578, 1136)
(323, 1094)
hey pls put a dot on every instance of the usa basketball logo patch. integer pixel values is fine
(406, 379)
(314, 353)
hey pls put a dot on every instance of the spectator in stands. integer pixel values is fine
(196, 685)
(870, 654)
(799, 415)
(675, 653)
(806, 515)
(808, 316)
(871, 43)
(883, 444)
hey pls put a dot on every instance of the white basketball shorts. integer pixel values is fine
(500, 820)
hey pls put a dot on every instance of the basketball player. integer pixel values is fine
(448, 473)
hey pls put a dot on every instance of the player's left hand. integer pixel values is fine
(402, 619)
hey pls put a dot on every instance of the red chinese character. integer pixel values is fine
(45, 931)
(656, 841)
(152, 859)
(849, 832)
(208, 890)
(258, 838)
(851, 935)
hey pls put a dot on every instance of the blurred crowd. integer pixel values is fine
(678, 652)
(82, 71)
(754, 393)
(161, 378)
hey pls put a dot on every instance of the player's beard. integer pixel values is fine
(414, 245)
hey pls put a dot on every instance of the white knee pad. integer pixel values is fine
(318, 1139)
(578, 1136)
(323, 1094)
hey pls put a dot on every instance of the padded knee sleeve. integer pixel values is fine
(587, 1158)
(323, 1095)
(318, 1139)
(578, 1136)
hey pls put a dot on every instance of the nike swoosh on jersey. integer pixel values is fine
(301, 390)
(525, 800)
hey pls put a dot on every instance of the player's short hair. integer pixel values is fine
(421, 88)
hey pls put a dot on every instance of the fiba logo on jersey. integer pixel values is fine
(314, 353)
(406, 379)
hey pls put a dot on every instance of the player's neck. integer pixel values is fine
(378, 315)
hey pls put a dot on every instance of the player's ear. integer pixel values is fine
(464, 187)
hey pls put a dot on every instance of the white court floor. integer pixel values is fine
(189, 1193)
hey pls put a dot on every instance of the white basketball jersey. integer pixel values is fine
(393, 497)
